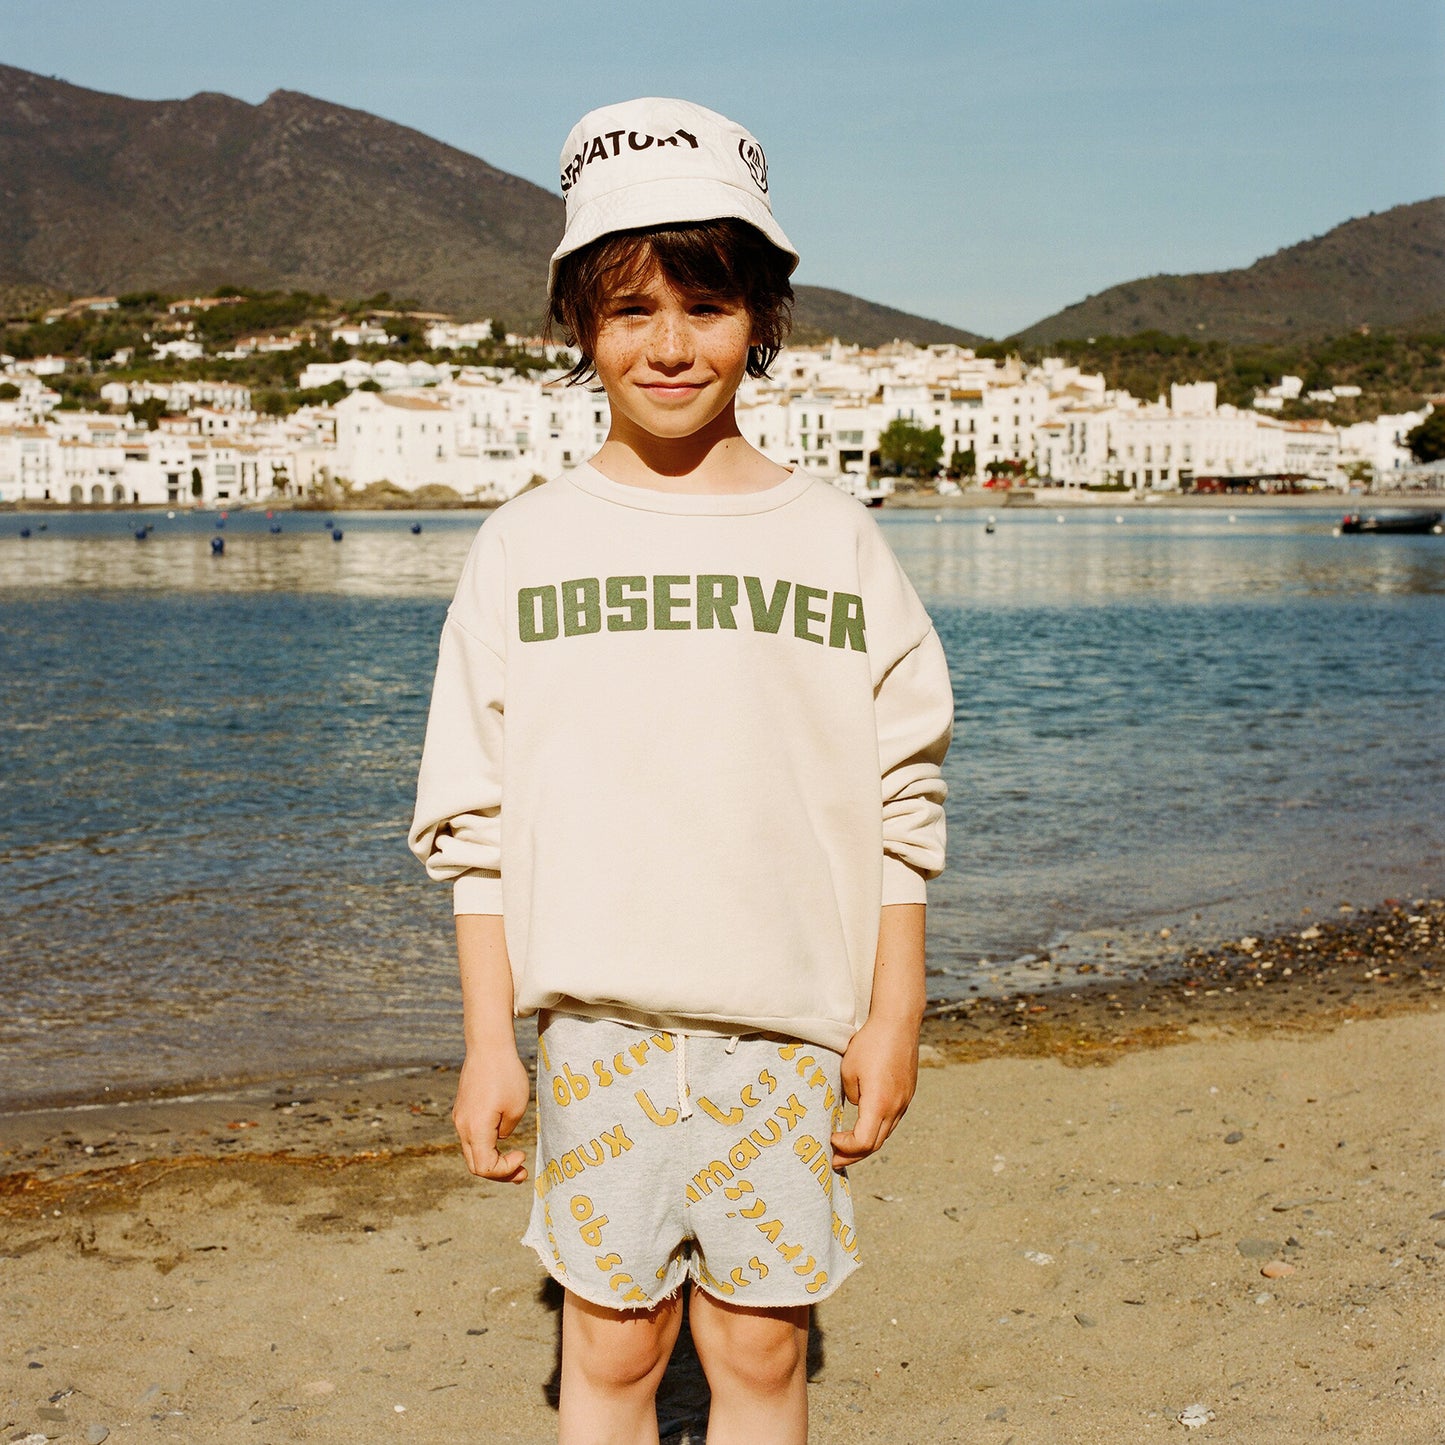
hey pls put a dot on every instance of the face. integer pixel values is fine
(670, 363)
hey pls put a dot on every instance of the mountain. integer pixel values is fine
(821, 313)
(1384, 271)
(103, 194)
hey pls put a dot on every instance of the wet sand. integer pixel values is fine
(1067, 1241)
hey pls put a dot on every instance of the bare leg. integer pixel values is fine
(612, 1363)
(756, 1363)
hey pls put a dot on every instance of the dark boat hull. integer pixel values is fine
(1393, 523)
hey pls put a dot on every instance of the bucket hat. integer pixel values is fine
(655, 162)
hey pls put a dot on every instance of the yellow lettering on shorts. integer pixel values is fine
(790, 1113)
(616, 1140)
(743, 1153)
(604, 1078)
(620, 1064)
(818, 1281)
(715, 1175)
(733, 1116)
(604, 1262)
(661, 1119)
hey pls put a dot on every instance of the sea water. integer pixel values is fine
(1174, 721)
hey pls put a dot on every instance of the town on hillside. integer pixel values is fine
(407, 407)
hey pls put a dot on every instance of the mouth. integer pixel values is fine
(671, 390)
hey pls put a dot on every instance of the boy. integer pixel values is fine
(685, 740)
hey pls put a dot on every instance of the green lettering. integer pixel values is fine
(530, 626)
(663, 603)
(618, 589)
(716, 598)
(767, 616)
(803, 613)
(845, 628)
(581, 606)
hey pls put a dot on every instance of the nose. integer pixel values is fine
(671, 339)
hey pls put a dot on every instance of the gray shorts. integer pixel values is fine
(663, 1157)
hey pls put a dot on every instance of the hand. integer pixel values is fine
(492, 1095)
(880, 1073)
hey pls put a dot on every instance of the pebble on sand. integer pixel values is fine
(1193, 1416)
(1277, 1269)
(1257, 1248)
(96, 1434)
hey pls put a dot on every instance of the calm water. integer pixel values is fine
(209, 764)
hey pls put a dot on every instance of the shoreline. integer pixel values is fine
(1375, 963)
(972, 499)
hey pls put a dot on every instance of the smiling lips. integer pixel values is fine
(671, 389)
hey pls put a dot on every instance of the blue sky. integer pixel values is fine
(984, 164)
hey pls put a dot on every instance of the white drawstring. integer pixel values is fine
(684, 1094)
(732, 1047)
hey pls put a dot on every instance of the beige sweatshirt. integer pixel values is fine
(687, 745)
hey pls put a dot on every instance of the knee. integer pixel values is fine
(761, 1354)
(614, 1350)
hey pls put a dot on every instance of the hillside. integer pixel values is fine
(1385, 270)
(104, 194)
(822, 313)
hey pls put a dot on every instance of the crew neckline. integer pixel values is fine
(588, 479)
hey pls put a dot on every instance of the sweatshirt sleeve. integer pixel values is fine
(456, 829)
(913, 707)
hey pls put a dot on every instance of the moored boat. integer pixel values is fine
(1396, 520)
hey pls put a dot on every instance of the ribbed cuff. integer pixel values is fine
(477, 893)
(902, 884)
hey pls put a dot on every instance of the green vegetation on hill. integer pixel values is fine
(1395, 372)
(1385, 271)
(141, 319)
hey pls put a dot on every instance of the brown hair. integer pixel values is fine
(723, 258)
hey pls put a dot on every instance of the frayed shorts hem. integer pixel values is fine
(605, 1299)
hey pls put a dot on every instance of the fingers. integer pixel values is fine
(487, 1162)
(869, 1133)
(485, 1159)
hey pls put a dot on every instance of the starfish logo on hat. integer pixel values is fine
(755, 161)
(660, 162)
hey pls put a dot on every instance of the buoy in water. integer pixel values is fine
(938, 516)
(988, 528)
(336, 534)
(1059, 518)
(275, 528)
(25, 531)
(141, 533)
(416, 529)
(1118, 520)
(218, 545)
(1233, 518)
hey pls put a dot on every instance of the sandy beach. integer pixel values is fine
(1109, 1207)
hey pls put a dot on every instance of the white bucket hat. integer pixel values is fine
(655, 162)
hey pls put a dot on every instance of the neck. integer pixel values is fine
(715, 459)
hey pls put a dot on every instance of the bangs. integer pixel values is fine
(725, 260)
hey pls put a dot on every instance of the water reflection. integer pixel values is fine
(210, 761)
